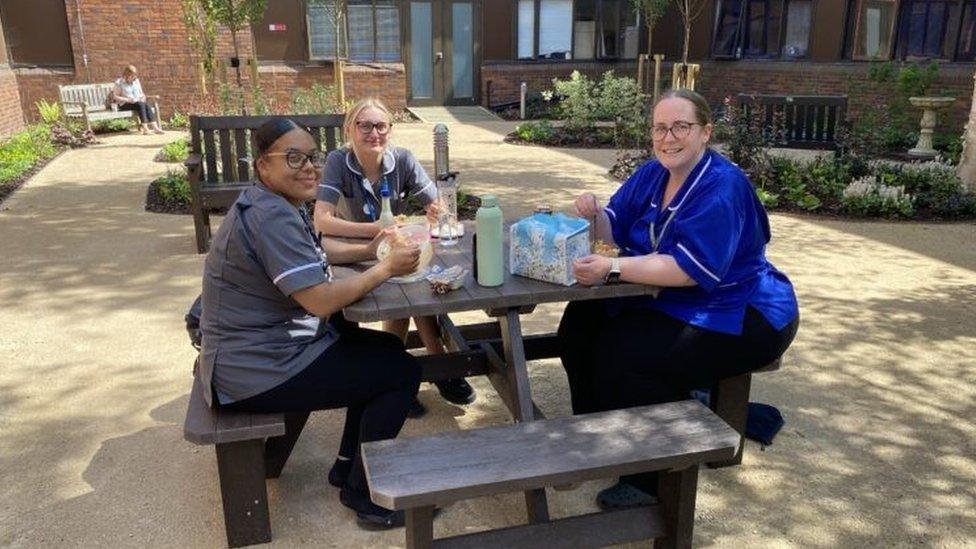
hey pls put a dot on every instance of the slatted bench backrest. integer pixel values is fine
(800, 121)
(92, 95)
(226, 143)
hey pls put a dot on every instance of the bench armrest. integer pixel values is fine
(192, 161)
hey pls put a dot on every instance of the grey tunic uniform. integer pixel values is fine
(255, 336)
(343, 178)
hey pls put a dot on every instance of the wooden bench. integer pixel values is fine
(417, 474)
(221, 151)
(729, 398)
(798, 121)
(87, 101)
(250, 448)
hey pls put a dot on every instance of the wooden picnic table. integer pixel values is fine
(497, 349)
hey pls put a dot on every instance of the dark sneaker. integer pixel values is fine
(369, 515)
(416, 409)
(456, 391)
(340, 472)
(623, 496)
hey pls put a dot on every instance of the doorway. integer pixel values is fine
(442, 50)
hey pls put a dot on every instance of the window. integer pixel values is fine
(370, 31)
(966, 46)
(873, 29)
(584, 29)
(924, 27)
(796, 39)
(751, 28)
(36, 32)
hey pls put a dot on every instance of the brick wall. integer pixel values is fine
(11, 113)
(168, 66)
(721, 78)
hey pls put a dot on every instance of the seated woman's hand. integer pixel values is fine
(433, 212)
(402, 259)
(380, 237)
(587, 205)
(591, 270)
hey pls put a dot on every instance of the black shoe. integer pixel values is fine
(369, 515)
(340, 472)
(416, 409)
(623, 496)
(456, 391)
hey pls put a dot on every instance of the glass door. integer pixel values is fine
(442, 41)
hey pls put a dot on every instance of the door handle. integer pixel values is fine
(438, 56)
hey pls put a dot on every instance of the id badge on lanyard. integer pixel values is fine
(657, 238)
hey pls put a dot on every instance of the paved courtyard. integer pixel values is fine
(878, 391)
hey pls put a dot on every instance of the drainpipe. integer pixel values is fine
(84, 47)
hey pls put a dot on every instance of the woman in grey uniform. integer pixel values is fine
(267, 292)
(357, 173)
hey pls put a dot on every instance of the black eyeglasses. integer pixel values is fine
(366, 127)
(679, 130)
(296, 159)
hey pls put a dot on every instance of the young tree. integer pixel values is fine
(236, 15)
(651, 11)
(689, 10)
(203, 36)
(335, 10)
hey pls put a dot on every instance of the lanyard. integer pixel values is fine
(317, 240)
(368, 207)
(657, 238)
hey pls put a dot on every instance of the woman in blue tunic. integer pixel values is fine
(691, 223)
(267, 292)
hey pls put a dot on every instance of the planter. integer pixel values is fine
(930, 106)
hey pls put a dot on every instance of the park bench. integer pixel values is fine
(798, 121)
(729, 398)
(221, 151)
(87, 101)
(250, 448)
(418, 474)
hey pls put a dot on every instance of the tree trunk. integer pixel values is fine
(684, 54)
(967, 161)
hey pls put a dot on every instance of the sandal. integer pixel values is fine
(623, 496)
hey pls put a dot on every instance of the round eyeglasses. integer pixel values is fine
(679, 130)
(366, 127)
(296, 159)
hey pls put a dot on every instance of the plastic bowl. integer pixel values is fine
(418, 234)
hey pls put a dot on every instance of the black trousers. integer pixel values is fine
(146, 113)
(641, 356)
(367, 372)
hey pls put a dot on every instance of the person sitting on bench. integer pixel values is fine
(267, 289)
(689, 222)
(128, 95)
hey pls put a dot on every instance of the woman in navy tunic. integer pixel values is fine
(267, 292)
(689, 222)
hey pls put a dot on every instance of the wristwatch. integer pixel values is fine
(613, 276)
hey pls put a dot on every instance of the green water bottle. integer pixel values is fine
(488, 226)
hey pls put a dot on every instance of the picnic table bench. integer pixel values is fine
(798, 121)
(417, 474)
(221, 152)
(87, 101)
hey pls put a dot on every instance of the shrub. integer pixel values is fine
(174, 186)
(23, 150)
(535, 132)
(869, 196)
(318, 99)
(50, 112)
(113, 126)
(178, 120)
(579, 105)
(177, 151)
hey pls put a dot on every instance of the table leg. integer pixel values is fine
(518, 383)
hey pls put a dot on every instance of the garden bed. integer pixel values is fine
(8, 188)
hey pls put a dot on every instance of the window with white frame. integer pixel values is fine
(580, 29)
(761, 28)
(369, 30)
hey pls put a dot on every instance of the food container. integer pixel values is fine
(544, 246)
(415, 233)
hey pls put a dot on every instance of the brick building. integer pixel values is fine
(478, 51)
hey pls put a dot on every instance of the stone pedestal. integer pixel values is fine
(930, 106)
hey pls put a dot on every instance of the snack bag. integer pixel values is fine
(544, 246)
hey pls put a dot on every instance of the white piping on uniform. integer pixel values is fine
(609, 211)
(700, 266)
(692, 187)
(295, 270)
(323, 185)
(421, 191)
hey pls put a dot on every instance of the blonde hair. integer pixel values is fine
(349, 125)
(130, 69)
